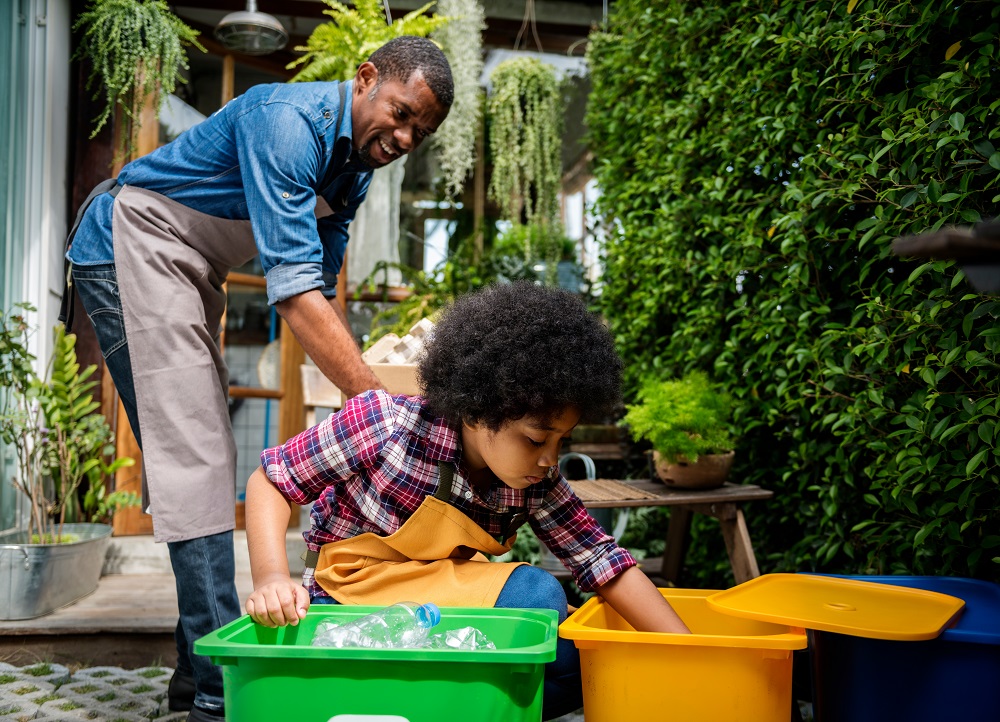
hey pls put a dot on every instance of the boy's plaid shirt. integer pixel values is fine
(370, 465)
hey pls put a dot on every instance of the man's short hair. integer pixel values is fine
(400, 57)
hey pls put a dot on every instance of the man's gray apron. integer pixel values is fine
(171, 262)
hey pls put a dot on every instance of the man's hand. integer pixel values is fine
(278, 603)
(322, 329)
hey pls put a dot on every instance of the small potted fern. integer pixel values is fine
(686, 421)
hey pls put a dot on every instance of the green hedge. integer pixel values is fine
(756, 159)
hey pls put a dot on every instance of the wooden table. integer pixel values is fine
(723, 504)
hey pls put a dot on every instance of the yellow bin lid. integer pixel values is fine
(847, 606)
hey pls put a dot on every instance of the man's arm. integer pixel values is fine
(321, 327)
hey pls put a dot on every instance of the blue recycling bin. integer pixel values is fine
(953, 677)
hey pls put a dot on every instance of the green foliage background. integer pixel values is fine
(756, 159)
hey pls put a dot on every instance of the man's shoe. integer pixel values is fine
(198, 714)
(180, 692)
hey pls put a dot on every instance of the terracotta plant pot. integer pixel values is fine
(709, 472)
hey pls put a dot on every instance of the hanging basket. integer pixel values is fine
(708, 472)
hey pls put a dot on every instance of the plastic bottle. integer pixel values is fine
(400, 626)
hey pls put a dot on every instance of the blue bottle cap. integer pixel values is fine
(428, 615)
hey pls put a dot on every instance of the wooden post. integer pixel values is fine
(479, 191)
(133, 520)
(741, 556)
(291, 411)
(228, 88)
(228, 79)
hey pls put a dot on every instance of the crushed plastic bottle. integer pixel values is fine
(466, 638)
(405, 625)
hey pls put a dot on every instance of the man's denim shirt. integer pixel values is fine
(263, 157)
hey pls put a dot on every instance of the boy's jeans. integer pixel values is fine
(204, 567)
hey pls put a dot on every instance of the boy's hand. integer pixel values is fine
(278, 603)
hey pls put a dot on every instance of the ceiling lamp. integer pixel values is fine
(251, 32)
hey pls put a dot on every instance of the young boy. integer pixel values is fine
(410, 492)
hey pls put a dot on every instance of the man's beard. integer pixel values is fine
(364, 156)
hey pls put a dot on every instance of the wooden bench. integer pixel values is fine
(723, 504)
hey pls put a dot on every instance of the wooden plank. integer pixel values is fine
(254, 392)
(666, 496)
(122, 604)
(678, 533)
(741, 556)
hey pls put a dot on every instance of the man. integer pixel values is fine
(278, 172)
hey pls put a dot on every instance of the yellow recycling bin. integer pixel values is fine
(727, 669)
(737, 662)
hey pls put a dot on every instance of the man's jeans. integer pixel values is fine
(204, 567)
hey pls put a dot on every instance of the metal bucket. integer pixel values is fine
(41, 578)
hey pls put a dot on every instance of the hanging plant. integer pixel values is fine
(525, 141)
(136, 50)
(337, 47)
(461, 40)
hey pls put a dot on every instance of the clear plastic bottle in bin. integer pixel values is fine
(400, 626)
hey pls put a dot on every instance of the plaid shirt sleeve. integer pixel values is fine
(563, 524)
(332, 451)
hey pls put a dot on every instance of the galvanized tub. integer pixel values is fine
(37, 579)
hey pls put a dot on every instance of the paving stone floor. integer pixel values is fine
(52, 693)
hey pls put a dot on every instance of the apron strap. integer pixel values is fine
(66, 307)
(446, 473)
(340, 202)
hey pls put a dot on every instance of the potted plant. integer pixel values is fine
(136, 50)
(58, 442)
(686, 421)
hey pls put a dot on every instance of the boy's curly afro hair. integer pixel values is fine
(517, 350)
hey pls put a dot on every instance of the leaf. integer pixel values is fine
(957, 121)
(919, 271)
(994, 161)
(950, 52)
(851, 5)
(975, 461)
(918, 539)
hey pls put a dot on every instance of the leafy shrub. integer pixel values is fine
(682, 418)
(756, 159)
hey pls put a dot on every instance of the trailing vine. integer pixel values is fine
(461, 40)
(337, 47)
(136, 50)
(525, 124)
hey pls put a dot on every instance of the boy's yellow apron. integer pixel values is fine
(436, 556)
